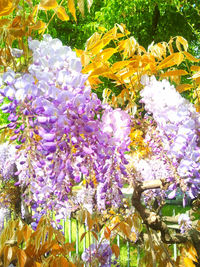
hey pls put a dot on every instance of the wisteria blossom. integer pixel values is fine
(99, 253)
(184, 222)
(176, 134)
(64, 133)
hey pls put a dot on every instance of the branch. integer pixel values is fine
(151, 219)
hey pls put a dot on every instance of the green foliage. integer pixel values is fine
(148, 21)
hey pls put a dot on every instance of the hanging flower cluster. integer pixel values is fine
(63, 131)
(175, 139)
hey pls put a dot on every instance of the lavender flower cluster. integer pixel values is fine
(7, 161)
(98, 253)
(63, 130)
(184, 222)
(176, 134)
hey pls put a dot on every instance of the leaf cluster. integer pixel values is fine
(163, 60)
(45, 246)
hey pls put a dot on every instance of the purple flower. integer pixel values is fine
(184, 223)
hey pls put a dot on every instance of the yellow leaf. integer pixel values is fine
(100, 45)
(81, 6)
(4, 22)
(173, 59)
(6, 7)
(61, 13)
(188, 262)
(91, 66)
(40, 25)
(90, 222)
(130, 47)
(170, 46)
(181, 41)
(72, 9)
(116, 250)
(107, 232)
(99, 71)
(63, 262)
(102, 29)
(94, 81)
(91, 42)
(119, 65)
(190, 57)
(16, 21)
(195, 68)
(191, 253)
(174, 73)
(22, 257)
(82, 236)
(27, 232)
(9, 254)
(95, 235)
(111, 33)
(48, 4)
(183, 87)
(106, 54)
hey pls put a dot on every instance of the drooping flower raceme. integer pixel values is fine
(64, 132)
(99, 254)
(176, 134)
(7, 161)
(184, 223)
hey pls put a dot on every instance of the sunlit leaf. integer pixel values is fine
(91, 67)
(48, 4)
(80, 4)
(72, 10)
(173, 59)
(22, 257)
(100, 45)
(27, 231)
(40, 25)
(93, 40)
(95, 235)
(183, 87)
(4, 22)
(115, 250)
(90, 222)
(190, 57)
(195, 68)
(107, 232)
(119, 65)
(99, 71)
(6, 7)
(190, 252)
(174, 73)
(170, 46)
(16, 21)
(82, 236)
(63, 262)
(181, 41)
(102, 29)
(106, 54)
(188, 262)
(61, 13)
